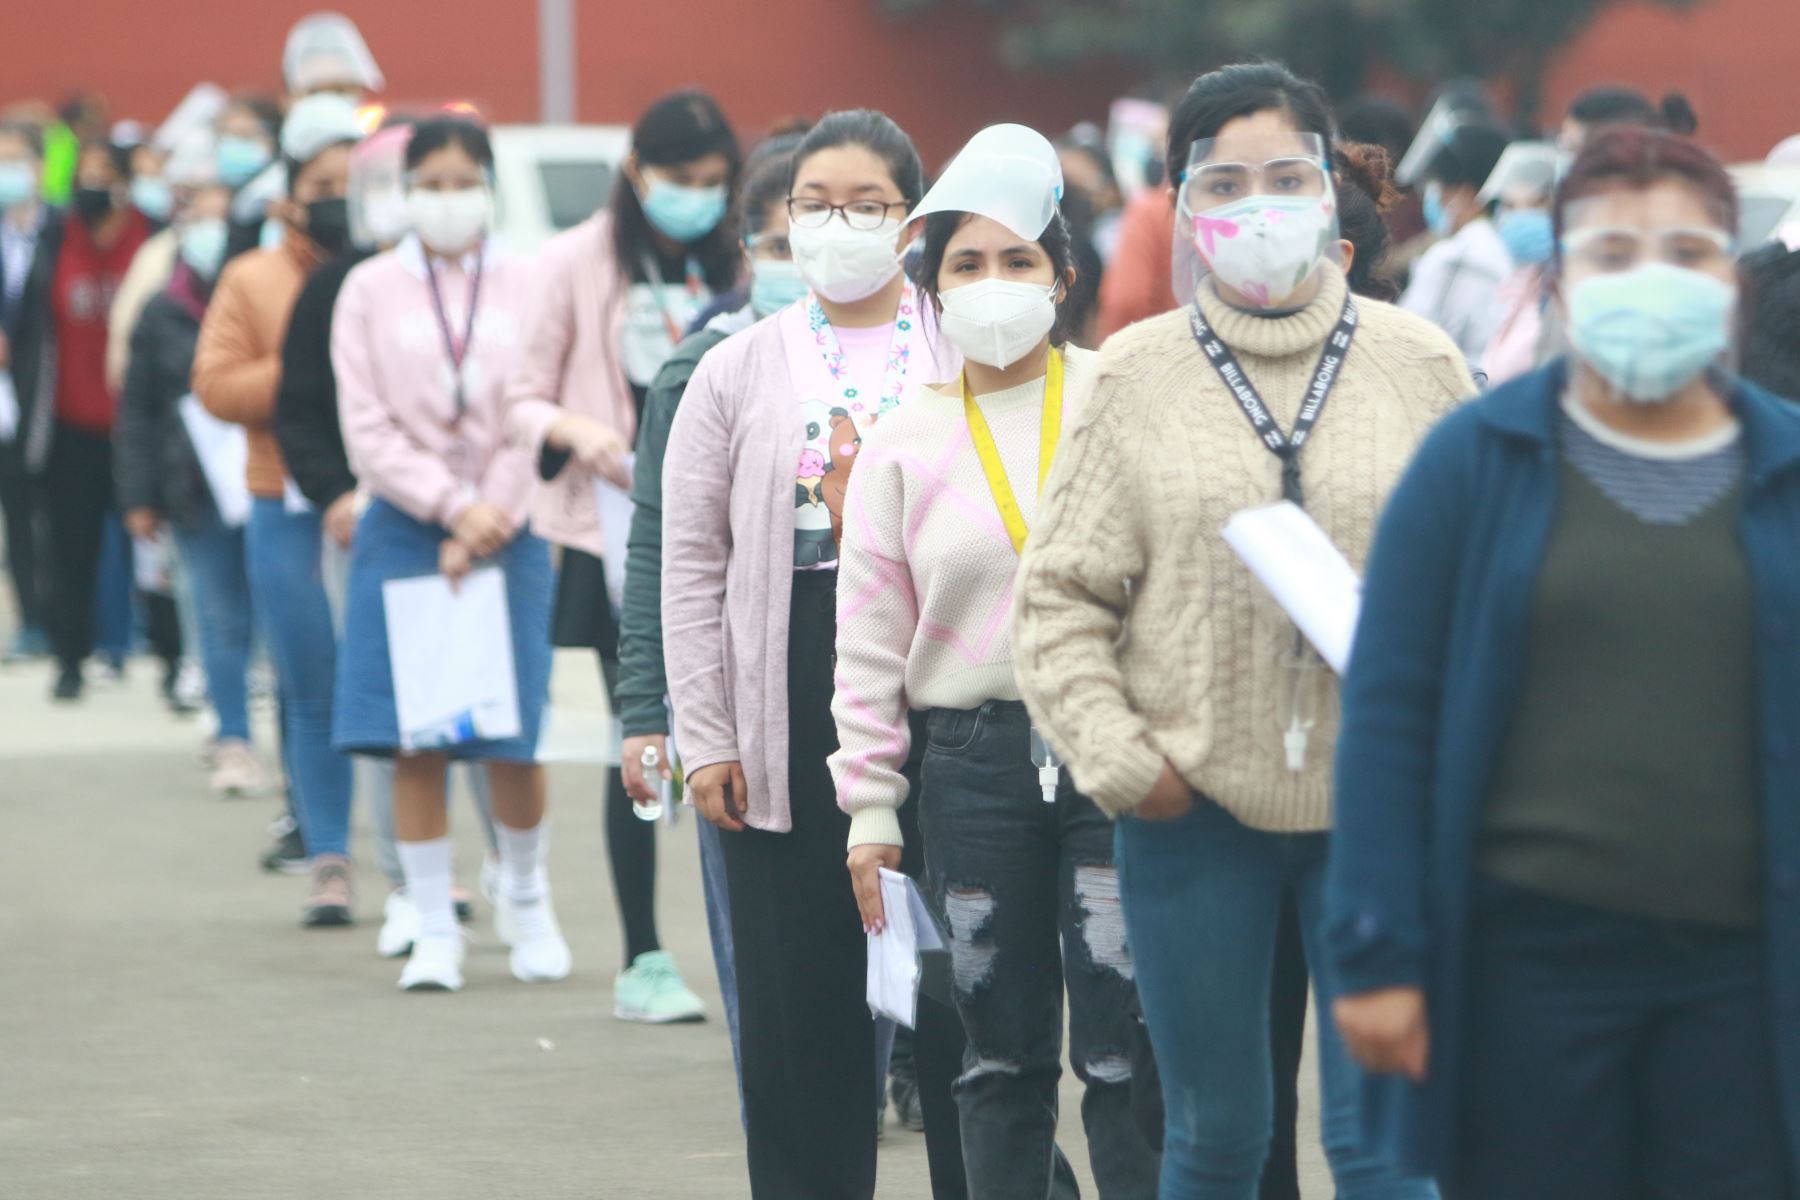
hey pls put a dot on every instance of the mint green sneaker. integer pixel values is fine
(651, 991)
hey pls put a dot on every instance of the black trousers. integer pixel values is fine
(22, 504)
(78, 499)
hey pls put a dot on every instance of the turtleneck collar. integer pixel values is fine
(1296, 333)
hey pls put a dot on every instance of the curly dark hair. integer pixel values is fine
(1365, 187)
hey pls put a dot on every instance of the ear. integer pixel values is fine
(1348, 249)
(1066, 286)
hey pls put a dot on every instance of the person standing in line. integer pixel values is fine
(237, 371)
(422, 342)
(30, 236)
(758, 460)
(619, 291)
(311, 440)
(1020, 871)
(67, 408)
(1608, 104)
(1520, 190)
(161, 486)
(1457, 284)
(1180, 695)
(1564, 905)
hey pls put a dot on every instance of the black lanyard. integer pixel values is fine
(457, 350)
(1286, 447)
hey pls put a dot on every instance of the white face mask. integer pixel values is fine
(450, 222)
(1265, 247)
(845, 265)
(997, 321)
(385, 216)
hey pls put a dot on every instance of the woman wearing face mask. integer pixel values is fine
(758, 460)
(1456, 284)
(237, 372)
(619, 292)
(944, 495)
(1180, 694)
(1520, 189)
(1563, 885)
(423, 423)
(248, 138)
(68, 441)
(160, 483)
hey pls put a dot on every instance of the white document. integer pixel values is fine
(152, 565)
(452, 658)
(615, 531)
(293, 500)
(908, 929)
(9, 407)
(1308, 576)
(224, 452)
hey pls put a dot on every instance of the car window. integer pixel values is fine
(573, 190)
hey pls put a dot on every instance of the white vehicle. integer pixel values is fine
(1768, 201)
(553, 177)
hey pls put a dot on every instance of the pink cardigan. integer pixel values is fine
(394, 384)
(571, 361)
(728, 560)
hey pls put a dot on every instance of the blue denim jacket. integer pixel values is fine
(1434, 680)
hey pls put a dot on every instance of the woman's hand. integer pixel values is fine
(340, 519)
(595, 446)
(454, 561)
(865, 863)
(721, 795)
(143, 523)
(1386, 1031)
(1169, 799)
(483, 529)
(637, 785)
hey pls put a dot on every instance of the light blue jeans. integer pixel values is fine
(289, 594)
(212, 556)
(1202, 897)
(718, 927)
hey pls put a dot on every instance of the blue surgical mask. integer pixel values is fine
(1436, 219)
(684, 214)
(202, 246)
(775, 283)
(18, 183)
(1529, 234)
(1652, 330)
(151, 195)
(241, 159)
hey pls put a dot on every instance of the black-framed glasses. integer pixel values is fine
(864, 215)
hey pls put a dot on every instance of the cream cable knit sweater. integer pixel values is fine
(925, 581)
(1138, 634)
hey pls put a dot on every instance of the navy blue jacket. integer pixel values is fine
(1433, 684)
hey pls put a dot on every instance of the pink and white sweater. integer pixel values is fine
(925, 581)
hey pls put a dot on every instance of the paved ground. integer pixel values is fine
(167, 1032)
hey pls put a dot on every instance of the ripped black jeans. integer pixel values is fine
(1029, 897)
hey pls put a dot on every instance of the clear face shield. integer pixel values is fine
(1008, 173)
(377, 189)
(1257, 216)
(1651, 293)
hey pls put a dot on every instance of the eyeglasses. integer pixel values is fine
(768, 246)
(1209, 185)
(863, 215)
(1613, 250)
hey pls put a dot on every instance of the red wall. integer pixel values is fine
(939, 79)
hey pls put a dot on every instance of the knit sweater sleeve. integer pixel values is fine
(1073, 598)
(878, 618)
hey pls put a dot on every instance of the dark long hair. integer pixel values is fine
(876, 133)
(679, 128)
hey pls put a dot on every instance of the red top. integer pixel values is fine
(81, 297)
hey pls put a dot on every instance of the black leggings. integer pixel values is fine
(78, 499)
(22, 501)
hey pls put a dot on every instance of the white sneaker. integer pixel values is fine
(435, 966)
(490, 880)
(539, 953)
(399, 926)
(236, 773)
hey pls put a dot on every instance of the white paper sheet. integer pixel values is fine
(908, 929)
(293, 500)
(452, 658)
(1308, 576)
(615, 531)
(9, 407)
(223, 452)
(152, 565)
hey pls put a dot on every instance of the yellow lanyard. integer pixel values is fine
(989, 453)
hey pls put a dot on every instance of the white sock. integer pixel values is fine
(426, 866)
(522, 854)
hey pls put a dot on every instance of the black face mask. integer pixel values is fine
(93, 204)
(328, 224)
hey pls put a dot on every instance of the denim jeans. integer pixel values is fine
(289, 593)
(718, 928)
(1030, 901)
(1203, 897)
(212, 555)
(1608, 1057)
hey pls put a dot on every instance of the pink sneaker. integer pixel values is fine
(328, 895)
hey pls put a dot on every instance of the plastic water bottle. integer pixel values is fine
(651, 761)
(1049, 766)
